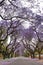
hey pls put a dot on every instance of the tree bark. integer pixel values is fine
(39, 55)
(33, 55)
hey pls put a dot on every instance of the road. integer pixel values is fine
(20, 61)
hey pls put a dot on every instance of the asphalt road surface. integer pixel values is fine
(20, 61)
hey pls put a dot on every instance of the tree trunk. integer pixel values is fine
(33, 55)
(39, 56)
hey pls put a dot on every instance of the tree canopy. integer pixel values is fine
(21, 26)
